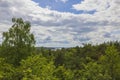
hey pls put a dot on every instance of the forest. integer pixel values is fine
(21, 60)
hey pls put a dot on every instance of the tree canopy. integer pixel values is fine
(18, 42)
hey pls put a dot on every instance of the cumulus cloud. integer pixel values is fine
(53, 28)
(108, 10)
(88, 5)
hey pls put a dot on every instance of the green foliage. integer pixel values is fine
(37, 68)
(111, 62)
(7, 71)
(93, 71)
(64, 74)
(18, 42)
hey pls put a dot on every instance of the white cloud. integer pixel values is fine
(53, 28)
(64, 1)
(48, 7)
(107, 11)
(89, 5)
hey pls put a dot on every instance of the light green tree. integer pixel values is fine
(64, 74)
(93, 71)
(37, 68)
(18, 42)
(111, 62)
(7, 71)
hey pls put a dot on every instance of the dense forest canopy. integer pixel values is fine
(20, 60)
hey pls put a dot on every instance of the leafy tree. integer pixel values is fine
(37, 67)
(111, 62)
(18, 42)
(93, 71)
(64, 74)
(59, 57)
(7, 71)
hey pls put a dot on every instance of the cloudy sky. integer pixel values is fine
(65, 23)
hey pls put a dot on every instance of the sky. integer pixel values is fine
(65, 23)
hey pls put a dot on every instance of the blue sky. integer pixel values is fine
(59, 5)
(65, 23)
